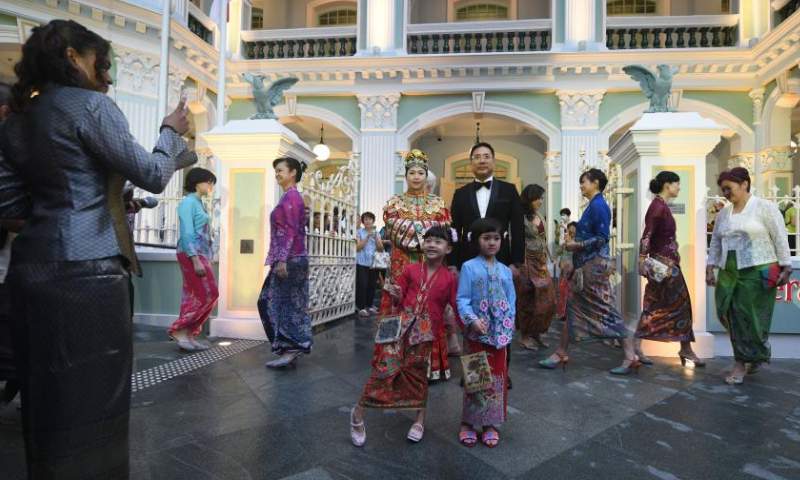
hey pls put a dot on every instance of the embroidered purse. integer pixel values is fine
(380, 260)
(389, 329)
(770, 276)
(656, 270)
(477, 373)
(577, 280)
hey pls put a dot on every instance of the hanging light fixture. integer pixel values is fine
(321, 150)
(478, 132)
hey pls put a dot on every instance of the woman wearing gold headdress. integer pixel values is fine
(407, 216)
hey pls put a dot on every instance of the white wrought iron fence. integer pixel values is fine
(789, 205)
(158, 227)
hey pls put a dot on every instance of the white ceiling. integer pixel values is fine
(465, 126)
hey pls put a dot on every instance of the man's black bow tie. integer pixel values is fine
(479, 185)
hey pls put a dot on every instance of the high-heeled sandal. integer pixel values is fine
(696, 362)
(643, 359)
(563, 360)
(285, 360)
(357, 437)
(732, 379)
(632, 367)
(200, 347)
(184, 345)
(415, 432)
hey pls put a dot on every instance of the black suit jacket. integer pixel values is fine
(505, 206)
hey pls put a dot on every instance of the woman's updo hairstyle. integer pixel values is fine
(663, 178)
(292, 164)
(44, 59)
(595, 174)
(736, 175)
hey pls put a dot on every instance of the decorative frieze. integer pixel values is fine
(777, 159)
(746, 160)
(379, 112)
(136, 72)
(580, 109)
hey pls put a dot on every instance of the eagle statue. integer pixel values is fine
(267, 98)
(656, 89)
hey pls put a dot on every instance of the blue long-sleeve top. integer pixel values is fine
(594, 232)
(195, 237)
(487, 293)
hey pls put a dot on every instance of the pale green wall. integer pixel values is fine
(160, 288)
(246, 224)
(346, 107)
(560, 20)
(632, 285)
(413, 105)
(7, 20)
(544, 105)
(737, 103)
(615, 103)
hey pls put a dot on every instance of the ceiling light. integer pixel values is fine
(321, 150)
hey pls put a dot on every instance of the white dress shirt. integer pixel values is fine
(483, 196)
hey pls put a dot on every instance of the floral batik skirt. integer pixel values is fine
(439, 364)
(536, 295)
(564, 288)
(591, 312)
(487, 408)
(283, 307)
(745, 308)
(399, 377)
(666, 310)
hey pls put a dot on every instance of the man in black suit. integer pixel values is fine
(487, 197)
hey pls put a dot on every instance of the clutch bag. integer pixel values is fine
(389, 329)
(656, 271)
(770, 275)
(477, 373)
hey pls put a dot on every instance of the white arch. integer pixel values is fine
(779, 103)
(551, 133)
(714, 112)
(327, 116)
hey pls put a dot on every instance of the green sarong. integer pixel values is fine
(744, 308)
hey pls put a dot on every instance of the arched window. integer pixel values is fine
(631, 7)
(257, 19)
(726, 6)
(337, 17)
(462, 171)
(476, 12)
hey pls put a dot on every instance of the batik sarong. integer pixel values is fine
(666, 310)
(487, 407)
(283, 307)
(439, 364)
(200, 294)
(591, 312)
(745, 308)
(536, 295)
(399, 377)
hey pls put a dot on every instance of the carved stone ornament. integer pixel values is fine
(757, 95)
(746, 160)
(136, 72)
(379, 112)
(657, 89)
(580, 109)
(552, 164)
(776, 160)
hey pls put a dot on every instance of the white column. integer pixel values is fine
(754, 167)
(580, 26)
(579, 137)
(380, 28)
(552, 167)
(378, 127)
(163, 77)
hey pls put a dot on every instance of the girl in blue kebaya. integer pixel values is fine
(486, 300)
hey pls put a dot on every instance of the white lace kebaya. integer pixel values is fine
(757, 234)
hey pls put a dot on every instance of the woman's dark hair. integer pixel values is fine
(438, 232)
(479, 145)
(594, 174)
(481, 226)
(195, 176)
(366, 215)
(657, 184)
(566, 211)
(572, 224)
(736, 175)
(44, 59)
(530, 194)
(292, 164)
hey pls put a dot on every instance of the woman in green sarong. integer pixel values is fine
(748, 243)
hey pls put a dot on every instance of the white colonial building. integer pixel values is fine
(541, 80)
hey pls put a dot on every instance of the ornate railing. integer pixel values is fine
(199, 24)
(330, 240)
(300, 43)
(787, 10)
(784, 204)
(697, 31)
(159, 226)
(479, 37)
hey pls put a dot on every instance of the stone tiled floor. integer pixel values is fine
(234, 419)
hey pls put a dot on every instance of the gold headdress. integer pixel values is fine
(416, 158)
